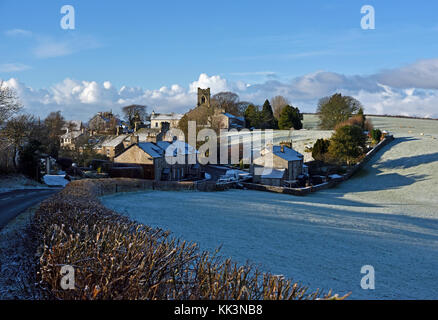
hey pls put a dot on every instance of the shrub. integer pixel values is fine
(376, 135)
(347, 144)
(320, 149)
(115, 258)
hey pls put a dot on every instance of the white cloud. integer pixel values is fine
(421, 74)
(13, 67)
(216, 83)
(18, 32)
(48, 47)
(378, 94)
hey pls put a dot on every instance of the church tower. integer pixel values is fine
(204, 97)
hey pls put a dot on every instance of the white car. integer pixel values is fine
(225, 179)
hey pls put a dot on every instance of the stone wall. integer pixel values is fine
(115, 185)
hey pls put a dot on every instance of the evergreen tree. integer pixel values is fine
(267, 117)
(252, 116)
(320, 149)
(290, 117)
(347, 144)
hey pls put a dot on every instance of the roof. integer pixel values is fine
(229, 115)
(115, 141)
(288, 154)
(151, 149)
(144, 133)
(271, 173)
(177, 147)
(71, 135)
(166, 116)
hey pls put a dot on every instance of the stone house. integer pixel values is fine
(112, 146)
(103, 122)
(158, 119)
(181, 160)
(162, 160)
(146, 154)
(72, 131)
(228, 121)
(277, 165)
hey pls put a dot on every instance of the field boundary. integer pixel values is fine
(117, 185)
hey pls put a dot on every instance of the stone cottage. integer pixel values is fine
(162, 160)
(277, 165)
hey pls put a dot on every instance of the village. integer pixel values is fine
(147, 146)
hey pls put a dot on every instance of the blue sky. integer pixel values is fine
(276, 47)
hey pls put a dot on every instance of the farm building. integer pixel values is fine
(277, 165)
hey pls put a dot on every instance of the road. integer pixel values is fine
(12, 203)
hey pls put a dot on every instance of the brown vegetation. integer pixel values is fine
(115, 258)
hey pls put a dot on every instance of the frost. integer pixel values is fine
(387, 217)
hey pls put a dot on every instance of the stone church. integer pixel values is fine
(220, 118)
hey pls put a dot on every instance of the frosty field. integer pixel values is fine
(386, 216)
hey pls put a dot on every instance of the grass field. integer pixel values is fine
(386, 216)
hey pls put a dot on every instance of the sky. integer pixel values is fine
(157, 53)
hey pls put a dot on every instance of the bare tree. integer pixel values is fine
(278, 103)
(228, 101)
(18, 130)
(134, 113)
(54, 123)
(9, 104)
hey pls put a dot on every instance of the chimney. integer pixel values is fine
(134, 139)
(282, 148)
(118, 131)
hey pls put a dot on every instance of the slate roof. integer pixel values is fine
(114, 142)
(151, 149)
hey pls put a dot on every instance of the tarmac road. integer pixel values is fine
(12, 203)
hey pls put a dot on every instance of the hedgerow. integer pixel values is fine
(116, 258)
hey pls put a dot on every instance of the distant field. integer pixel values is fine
(387, 216)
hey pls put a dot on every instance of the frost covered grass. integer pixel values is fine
(17, 259)
(386, 216)
(18, 181)
(116, 258)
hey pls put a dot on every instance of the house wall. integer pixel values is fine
(112, 152)
(156, 123)
(138, 156)
(134, 155)
(271, 182)
(293, 168)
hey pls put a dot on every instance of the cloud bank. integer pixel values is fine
(410, 91)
